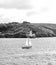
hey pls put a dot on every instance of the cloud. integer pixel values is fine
(32, 13)
(45, 9)
(19, 4)
(29, 10)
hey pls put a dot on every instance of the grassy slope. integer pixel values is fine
(48, 26)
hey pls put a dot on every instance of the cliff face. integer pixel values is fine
(19, 30)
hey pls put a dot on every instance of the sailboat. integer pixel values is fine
(28, 44)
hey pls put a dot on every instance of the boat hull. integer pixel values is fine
(26, 47)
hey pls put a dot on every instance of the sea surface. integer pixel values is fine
(43, 51)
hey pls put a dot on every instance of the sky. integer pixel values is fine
(34, 11)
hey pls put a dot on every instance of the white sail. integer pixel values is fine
(28, 42)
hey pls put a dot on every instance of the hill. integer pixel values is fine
(19, 30)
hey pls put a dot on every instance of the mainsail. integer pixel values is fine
(28, 42)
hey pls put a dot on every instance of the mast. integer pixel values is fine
(28, 43)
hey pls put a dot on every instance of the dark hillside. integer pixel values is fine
(19, 30)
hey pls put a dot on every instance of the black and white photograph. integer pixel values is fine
(27, 32)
